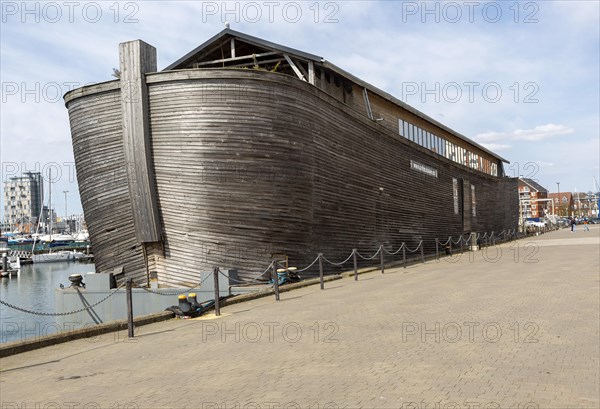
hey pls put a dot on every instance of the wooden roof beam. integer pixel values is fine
(260, 62)
(244, 57)
(294, 67)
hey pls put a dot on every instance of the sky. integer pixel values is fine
(520, 78)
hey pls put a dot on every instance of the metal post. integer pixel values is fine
(461, 244)
(437, 253)
(355, 265)
(321, 271)
(275, 278)
(128, 285)
(381, 256)
(4, 262)
(404, 254)
(422, 251)
(216, 277)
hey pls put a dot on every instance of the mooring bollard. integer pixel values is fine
(355, 265)
(275, 280)
(128, 285)
(321, 271)
(217, 292)
(382, 266)
(422, 251)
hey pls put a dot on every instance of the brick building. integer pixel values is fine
(531, 199)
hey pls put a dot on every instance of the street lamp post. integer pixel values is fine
(66, 214)
(558, 194)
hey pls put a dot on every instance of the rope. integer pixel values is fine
(415, 250)
(57, 314)
(306, 268)
(369, 258)
(339, 264)
(396, 252)
(243, 282)
(171, 294)
(446, 242)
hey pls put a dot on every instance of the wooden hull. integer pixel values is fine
(248, 164)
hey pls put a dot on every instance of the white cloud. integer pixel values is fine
(542, 163)
(496, 147)
(539, 133)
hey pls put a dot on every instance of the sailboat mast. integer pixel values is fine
(50, 200)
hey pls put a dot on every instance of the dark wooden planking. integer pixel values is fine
(96, 129)
(136, 59)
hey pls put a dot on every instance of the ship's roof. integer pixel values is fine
(204, 50)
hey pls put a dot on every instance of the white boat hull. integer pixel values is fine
(52, 257)
(57, 256)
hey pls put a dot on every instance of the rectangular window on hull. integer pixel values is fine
(445, 148)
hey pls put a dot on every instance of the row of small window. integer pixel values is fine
(446, 148)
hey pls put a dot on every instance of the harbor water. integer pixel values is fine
(34, 289)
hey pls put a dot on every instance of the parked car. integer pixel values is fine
(535, 224)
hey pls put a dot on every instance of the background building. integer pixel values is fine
(531, 195)
(585, 204)
(23, 198)
(563, 203)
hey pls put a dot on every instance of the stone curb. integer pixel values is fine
(17, 347)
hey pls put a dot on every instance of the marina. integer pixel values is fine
(34, 289)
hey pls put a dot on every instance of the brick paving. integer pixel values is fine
(514, 326)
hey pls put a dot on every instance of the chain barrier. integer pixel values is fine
(504, 235)
(311, 264)
(174, 293)
(416, 249)
(369, 258)
(339, 264)
(446, 242)
(59, 314)
(253, 281)
(396, 252)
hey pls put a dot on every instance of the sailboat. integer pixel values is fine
(53, 256)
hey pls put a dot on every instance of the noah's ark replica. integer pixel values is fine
(244, 150)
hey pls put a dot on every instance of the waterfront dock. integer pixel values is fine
(512, 326)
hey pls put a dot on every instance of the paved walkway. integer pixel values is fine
(518, 328)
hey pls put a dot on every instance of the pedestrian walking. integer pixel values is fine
(573, 224)
(585, 225)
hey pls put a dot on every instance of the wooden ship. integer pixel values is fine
(243, 150)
